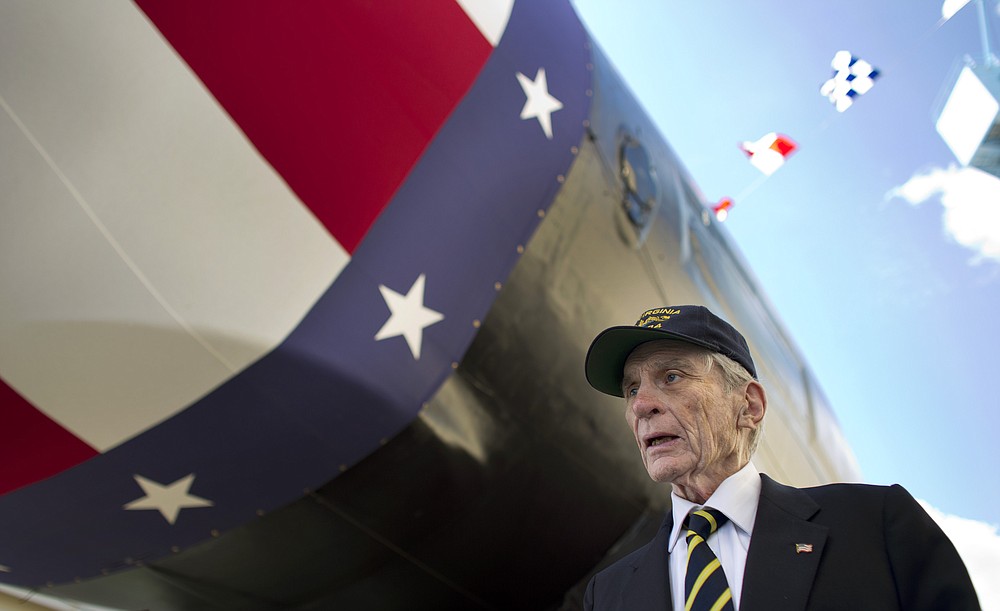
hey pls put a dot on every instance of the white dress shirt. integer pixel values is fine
(737, 497)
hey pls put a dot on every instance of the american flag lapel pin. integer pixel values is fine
(803, 548)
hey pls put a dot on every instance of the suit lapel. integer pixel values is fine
(778, 575)
(648, 589)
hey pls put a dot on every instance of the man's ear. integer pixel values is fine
(756, 404)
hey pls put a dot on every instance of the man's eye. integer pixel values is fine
(671, 378)
(631, 392)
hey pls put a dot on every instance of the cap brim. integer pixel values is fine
(610, 349)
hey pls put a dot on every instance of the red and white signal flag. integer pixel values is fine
(769, 153)
(721, 209)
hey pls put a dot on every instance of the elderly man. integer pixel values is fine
(734, 538)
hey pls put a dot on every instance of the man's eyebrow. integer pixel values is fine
(666, 362)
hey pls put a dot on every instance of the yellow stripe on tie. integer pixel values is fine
(710, 518)
(702, 577)
(719, 604)
(695, 542)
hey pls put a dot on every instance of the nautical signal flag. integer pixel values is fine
(721, 209)
(769, 153)
(950, 7)
(851, 77)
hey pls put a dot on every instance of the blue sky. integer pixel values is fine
(895, 314)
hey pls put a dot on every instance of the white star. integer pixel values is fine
(409, 316)
(539, 105)
(167, 499)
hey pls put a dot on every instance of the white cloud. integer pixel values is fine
(979, 545)
(971, 201)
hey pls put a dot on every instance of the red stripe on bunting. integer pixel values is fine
(33, 446)
(297, 78)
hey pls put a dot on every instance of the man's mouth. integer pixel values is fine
(656, 440)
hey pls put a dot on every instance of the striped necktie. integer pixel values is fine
(705, 585)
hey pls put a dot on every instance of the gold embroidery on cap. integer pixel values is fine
(656, 316)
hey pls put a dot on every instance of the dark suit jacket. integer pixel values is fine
(874, 548)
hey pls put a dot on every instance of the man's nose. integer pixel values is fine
(645, 403)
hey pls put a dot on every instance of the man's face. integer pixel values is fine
(685, 424)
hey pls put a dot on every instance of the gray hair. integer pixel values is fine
(735, 376)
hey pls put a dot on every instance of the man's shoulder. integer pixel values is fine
(855, 496)
(854, 490)
(624, 566)
(835, 489)
(606, 587)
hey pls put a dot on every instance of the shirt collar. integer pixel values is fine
(737, 497)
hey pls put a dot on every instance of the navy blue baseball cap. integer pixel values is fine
(688, 323)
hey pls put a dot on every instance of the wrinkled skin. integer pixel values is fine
(674, 395)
